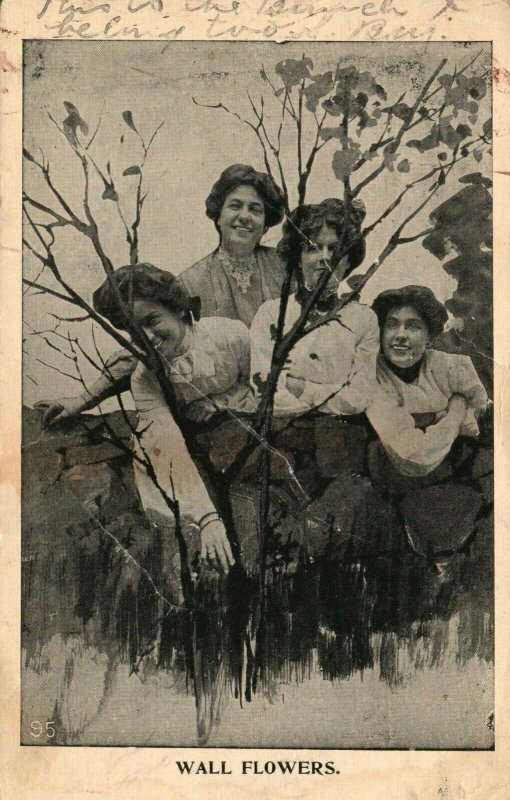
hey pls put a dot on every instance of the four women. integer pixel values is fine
(417, 399)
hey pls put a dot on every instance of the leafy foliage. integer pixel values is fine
(352, 101)
(463, 224)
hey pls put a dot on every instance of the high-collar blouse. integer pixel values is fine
(220, 293)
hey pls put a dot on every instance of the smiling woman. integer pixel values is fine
(242, 221)
(418, 384)
(207, 362)
(426, 400)
(241, 274)
(232, 282)
(405, 336)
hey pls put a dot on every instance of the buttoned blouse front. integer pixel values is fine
(336, 360)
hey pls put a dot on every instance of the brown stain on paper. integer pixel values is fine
(6, 65)
(501, 77)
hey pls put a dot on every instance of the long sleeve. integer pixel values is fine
(114, 378)
(463, 379)
(357, 392)
(413, 451)
(163, 444)
(239, 341)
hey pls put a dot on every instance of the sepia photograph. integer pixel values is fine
(257, 423)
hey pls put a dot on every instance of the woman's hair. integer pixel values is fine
(421, 298)
(143, 282)
(244, 175)
(306, 222)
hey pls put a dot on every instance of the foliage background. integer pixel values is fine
(157, 83)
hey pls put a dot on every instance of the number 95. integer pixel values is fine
(37, 729)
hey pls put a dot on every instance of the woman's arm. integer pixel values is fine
(463, 380)
(175, 473)
(415, 452)
(113, 380)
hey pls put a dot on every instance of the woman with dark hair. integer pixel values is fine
(425, 415)
(332, 367)
(327, 382)
(241, 274)
(207, 361)
(233, 281)
(420, 385)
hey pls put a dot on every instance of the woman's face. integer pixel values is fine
(316, 259)
(405, 336)
(242, 219)
(163, 327)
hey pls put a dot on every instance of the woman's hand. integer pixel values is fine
(58, 410)
(200, 410)
(296, 386)
(215, 546)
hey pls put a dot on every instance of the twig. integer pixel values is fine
(87, 146)
(406, 125)
(368, 230)
(254, 128)
(61, 372)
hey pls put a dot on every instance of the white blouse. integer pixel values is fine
(214, 364)
(413, 451)
(337, 360)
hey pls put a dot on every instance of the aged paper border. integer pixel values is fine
(150, 773)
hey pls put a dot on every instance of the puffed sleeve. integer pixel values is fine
(463, 379)
(237, 397)
(240, 345)
(355, 394)
(414, 452)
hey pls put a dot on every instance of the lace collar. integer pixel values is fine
(241, 269)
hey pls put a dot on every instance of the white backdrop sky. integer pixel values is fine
(157, 83)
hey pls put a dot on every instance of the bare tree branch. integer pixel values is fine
(288, 107)
(316, 147)
(47, 210)
(45, 170)
(254, 128)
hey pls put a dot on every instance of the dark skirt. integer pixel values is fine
(320, 503)
(439, 512)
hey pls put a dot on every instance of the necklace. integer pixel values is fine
(241, 269)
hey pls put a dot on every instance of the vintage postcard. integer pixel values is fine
(255, 411)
